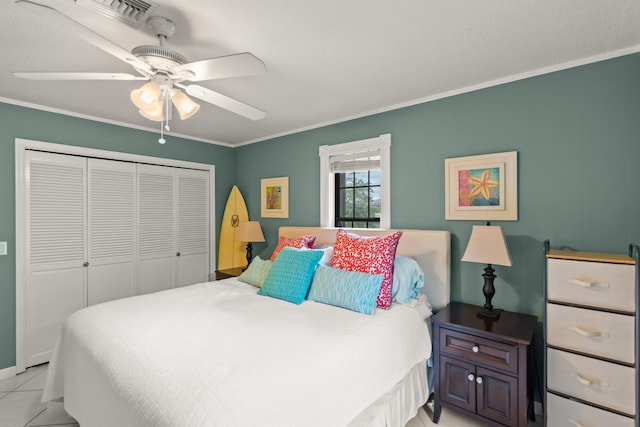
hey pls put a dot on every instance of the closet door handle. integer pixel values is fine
(588, 333)
(479, 380)
(86, 264)
(177, 253)
(589, 283)
(471, 377)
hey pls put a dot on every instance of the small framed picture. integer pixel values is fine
(274, 199)
(482, 187)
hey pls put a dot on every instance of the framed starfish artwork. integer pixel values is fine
(483, 187)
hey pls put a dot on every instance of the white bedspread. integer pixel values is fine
(218, 354)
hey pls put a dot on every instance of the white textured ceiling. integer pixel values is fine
(327, 60)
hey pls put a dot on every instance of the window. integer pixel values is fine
(354, 184)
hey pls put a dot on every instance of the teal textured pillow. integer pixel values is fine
(291, 273)
(352, 290)
(256, 273)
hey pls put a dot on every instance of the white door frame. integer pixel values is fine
(21, 146)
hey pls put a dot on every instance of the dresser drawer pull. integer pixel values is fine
(576, 423)
(589, 283)
(470, 377)
(479, 380)
(588, 382)
(475, 349)
(588, 333)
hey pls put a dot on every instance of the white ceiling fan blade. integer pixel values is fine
(224, 101)
(77, 76)
(90, 36)
(241, 64)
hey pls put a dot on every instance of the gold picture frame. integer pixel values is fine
(274, 197)
(483, 187)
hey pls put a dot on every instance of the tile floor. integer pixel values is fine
(20, 406)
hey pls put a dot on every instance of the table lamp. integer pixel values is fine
(249, 231)
(488, 246)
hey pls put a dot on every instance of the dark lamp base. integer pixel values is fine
(490, 314)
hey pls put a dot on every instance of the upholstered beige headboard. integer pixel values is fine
(430, 248)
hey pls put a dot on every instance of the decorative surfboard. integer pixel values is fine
(231, 253)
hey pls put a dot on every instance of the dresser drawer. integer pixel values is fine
(479, 350)
(563, 412)
(594, 332)
(594, 284)
(593, 380)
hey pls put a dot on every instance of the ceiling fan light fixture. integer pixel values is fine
(186, 106)
(148, 97)
(155, 115)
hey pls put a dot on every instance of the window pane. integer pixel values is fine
(375, 202)
(362, 202)
(374, 225)
(362, 178)
(375, 177)
(360, 224)
(346, 207)
(348, 179)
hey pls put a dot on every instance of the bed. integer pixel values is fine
(218, 353)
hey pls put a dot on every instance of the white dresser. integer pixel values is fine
(591, 333)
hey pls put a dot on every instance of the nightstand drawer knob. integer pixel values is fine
(479, 380)
(475, 349)
(470, 377)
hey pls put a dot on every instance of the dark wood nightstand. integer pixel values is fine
(484, 366)
(229, 272)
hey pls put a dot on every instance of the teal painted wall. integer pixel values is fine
(20, 122)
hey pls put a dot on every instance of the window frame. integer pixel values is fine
(381, 143)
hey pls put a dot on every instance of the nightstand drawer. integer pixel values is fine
(593, 380)
(594, 284)
(589, 331)
(563, 412)
(478, 350)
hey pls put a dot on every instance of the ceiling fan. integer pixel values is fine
(166, 71)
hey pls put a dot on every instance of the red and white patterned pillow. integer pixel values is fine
(373, 255)
(298, 243)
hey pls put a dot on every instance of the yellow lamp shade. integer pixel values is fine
(154, 114)
(185, 106)
(147, 97)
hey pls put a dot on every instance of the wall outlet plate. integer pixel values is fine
(3, 248)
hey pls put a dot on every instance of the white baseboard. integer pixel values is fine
(8, 372)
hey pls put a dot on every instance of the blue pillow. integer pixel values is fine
(352, 290)
(290, 275)
(408, 279)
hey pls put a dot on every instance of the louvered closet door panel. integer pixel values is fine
(156, 228)
(112, 225)
(193, 226)
(56, 248)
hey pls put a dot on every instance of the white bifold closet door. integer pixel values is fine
(56, 248)
(112, 230)
(99, 230)
(193, 226)
(173, 227)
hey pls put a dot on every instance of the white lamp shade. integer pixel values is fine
(186, 106)
(147, 97)
(249, 231)
(487, 246)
